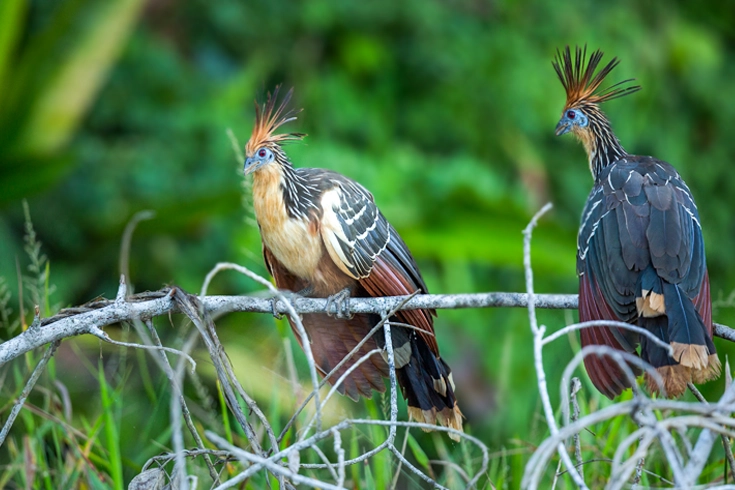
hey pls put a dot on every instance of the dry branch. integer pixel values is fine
(89, 318)
(284, 462)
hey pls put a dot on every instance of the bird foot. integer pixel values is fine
(341, 303)
(305, 293)
(276, 314)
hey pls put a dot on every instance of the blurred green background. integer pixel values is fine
(445, 110)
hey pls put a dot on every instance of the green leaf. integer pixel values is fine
(369, 481)
(421, 458)
(111, 430)
(58, 109)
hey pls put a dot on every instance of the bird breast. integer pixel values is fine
(295, 242)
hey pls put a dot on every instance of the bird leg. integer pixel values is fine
(306, 292)
(341, 302)
(276, 315)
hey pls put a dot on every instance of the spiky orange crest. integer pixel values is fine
(268, 118)
(581, 83)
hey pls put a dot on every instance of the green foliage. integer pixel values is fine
(45, 91)
(5, 310)
(36, 282)
(111, 404)
(444, 110)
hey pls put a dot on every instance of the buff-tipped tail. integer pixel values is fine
(448, 417)
(427, 385)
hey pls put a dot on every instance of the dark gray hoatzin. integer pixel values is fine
(640, 253)
(324, 237)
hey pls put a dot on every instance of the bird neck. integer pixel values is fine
(282, 189)
(600, 143)
(299, 194)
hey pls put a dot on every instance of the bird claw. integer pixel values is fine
(304, 293)
(276, 314)
(341, 302)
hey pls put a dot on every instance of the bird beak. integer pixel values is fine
(563, 127)
(250, 165)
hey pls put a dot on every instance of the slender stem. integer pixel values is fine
(20, 401)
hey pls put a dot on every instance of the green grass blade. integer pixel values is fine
(225, 414)
(421, 458)
(111, 431)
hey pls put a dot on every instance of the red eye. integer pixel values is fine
(570, 115)
(262, 153)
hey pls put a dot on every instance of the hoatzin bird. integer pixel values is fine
(323, 237)
(640, 253)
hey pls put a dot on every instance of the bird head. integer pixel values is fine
(582, 86)
(259, 158)
(264, 147)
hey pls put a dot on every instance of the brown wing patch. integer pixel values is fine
(604, 372)
(386, 280)
(332, 339)
(703, 304)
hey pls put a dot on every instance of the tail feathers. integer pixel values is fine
(689, 363)
(712, 366)
(425, 379)
(333, 339)
(674, 376)
(427, 385)
(689, 336)
(687, 332)
(712, 371)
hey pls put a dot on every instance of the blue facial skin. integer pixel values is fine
(571, 118)
(261, 157)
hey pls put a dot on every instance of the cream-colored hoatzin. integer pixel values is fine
(324, 237)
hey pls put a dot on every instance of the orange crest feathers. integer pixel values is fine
(268, 118)
(580, 81)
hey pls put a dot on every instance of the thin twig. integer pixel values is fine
(339, 450)
(392, 377)
(127, 238)
(576, 386)
(164, 459)
(20, 401)
(185, 303)
(538, 336)
(608, 323)
(180, 478)
(166, 365)
(295, 322)
(725, 440)
(272, 467)
(341, 363)
(638, 471)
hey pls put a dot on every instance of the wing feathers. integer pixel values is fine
(605, 373)
(640, 251)
(353, 229)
